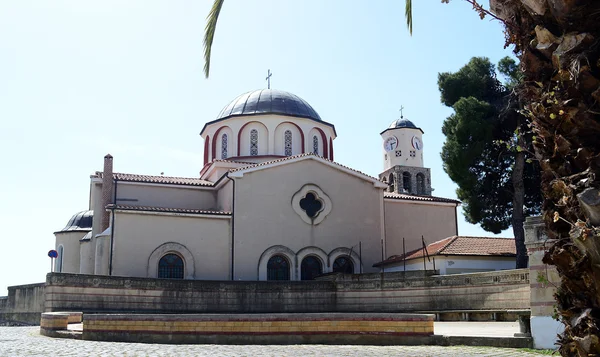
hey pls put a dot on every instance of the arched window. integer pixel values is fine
(391, 182)
(224, 146)
(420, 184)
(170, 266)
(315, 145)
(253, 142)
(288, 142)
(406, 181)
(278, 268)
(344, 265)
(310, 268)
(59, 260)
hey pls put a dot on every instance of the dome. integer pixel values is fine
(269, 101)
(402, 123)
(80, 221)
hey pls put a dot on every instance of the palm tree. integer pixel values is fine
(558, 44)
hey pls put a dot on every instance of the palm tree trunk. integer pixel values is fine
(518, 201)
(558, 44)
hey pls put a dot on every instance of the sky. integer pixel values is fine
(80, 79)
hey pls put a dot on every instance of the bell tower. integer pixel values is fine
(403, 168)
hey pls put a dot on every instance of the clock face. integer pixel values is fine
(390, 143)
(417, 143)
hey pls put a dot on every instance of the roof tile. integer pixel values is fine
(168, 210)
(168, 180)
(461, 245)
(403, 196)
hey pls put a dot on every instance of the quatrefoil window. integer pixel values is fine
(311, 205)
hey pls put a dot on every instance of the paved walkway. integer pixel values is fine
(26, 341)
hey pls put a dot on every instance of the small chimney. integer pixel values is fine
(107, 190)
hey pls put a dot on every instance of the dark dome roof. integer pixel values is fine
(402, 123)
(81, 221)
(269, 101)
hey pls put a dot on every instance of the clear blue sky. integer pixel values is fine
(79, 79)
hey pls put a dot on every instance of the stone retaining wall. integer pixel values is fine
(502, 290)
(260, 328)
(24, 304)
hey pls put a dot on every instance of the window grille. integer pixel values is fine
(278, 268)
(315, 145)
(253, 142)
(343, 265)
(224, 146)
(288, 143)
(310, 268)
(170, 266)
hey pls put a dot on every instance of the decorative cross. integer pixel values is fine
(401, 108)
(311, 205)
(269, 74)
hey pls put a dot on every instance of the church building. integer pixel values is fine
(269, 203)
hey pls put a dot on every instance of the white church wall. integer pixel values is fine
(225, 197)
(137, 235)
(264, 215)
(70, 243)
(96, 206)
(410, 220)
(172, 196)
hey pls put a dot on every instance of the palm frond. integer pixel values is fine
(209, 33)
(408, 15)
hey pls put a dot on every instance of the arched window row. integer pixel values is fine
(223, 144)
(282, 264)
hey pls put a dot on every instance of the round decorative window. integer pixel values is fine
(311, 204)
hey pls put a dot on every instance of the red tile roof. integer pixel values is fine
(168, 210)
(459, 245)
(402, 196)
(167, 180)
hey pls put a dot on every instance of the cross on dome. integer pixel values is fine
(268, 79)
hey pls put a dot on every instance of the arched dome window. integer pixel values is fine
(315, 145)
(170, 266)
(288, 142)
(278, 268)
(253, 142)
(224, 142)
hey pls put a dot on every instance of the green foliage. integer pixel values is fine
(481, 145)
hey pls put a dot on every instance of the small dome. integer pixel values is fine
(269, 101)
(402, 123)
(80, 221)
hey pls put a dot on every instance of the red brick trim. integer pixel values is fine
(215, 139)
(206, 149)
